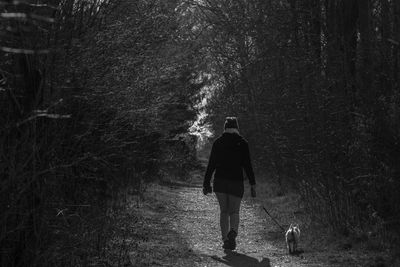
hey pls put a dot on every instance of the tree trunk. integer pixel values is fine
(365, 47)
(316, 29)
(350, 35)
(332, 37)
(386, 85)
(295, 21)
(396, 50)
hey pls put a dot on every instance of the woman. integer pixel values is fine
(229, 156)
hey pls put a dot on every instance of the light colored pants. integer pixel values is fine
(229, 213)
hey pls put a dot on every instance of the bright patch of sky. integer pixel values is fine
(200, 127)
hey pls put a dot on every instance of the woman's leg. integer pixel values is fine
(224, 214)
(233, 210)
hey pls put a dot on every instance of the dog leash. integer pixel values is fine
(283, 229)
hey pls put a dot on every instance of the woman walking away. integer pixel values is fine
(229, 156)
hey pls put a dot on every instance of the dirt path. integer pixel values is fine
(179, 227)
(198, 222)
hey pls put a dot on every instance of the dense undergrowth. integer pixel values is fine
(95, 101)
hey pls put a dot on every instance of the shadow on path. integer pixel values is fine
(179, 184)
(235, 259)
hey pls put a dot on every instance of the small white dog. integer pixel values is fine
(292, 237)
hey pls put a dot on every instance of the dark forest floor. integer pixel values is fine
(176, 225)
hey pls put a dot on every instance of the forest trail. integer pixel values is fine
(194, 217)
(179, 226)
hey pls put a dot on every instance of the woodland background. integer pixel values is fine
(93, 108)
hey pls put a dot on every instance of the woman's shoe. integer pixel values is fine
(227, 244)
(232, 239)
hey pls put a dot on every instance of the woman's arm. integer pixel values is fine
(210, 167)
(248, 168)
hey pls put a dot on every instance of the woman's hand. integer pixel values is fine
(253, 191)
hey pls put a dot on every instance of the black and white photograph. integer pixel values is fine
(200, 133)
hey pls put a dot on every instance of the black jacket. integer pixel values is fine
(229, 156)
